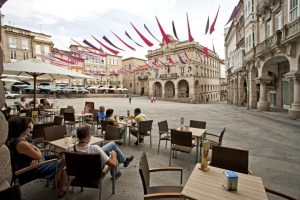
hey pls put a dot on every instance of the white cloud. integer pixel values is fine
(66, 19)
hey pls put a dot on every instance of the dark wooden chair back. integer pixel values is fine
(55, 132)
(182, 138)
(144, 172)
(145, 126)
(83, 166)
(112, 133)
(163, 127)
(11, 193)
(230, 159)
(197, 124)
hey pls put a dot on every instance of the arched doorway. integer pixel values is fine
(183, 89)
(169, 89)
(243, 96)
(157, 89)
(276, 91)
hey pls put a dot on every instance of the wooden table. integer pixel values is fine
(62, 144)
(196, 133)
(208, 185)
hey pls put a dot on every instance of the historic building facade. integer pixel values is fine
(272, 55)
(21, 44)
(136, 82)
(194, 77)
(234, 56)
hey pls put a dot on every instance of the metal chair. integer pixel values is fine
(197, 124)
(230, 158)
(90, 174)
(181, 141)
(157, 192)
(104, 123)
(164, 133)
(94, 121)
(69, 119)
(12, 193)
(215, 140)
(144, 130)
(112, 133)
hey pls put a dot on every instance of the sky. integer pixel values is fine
(71, 19)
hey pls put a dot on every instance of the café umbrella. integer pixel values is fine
(36, 68)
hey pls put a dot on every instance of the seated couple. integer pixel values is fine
(116, 155)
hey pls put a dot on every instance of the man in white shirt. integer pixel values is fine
(116, 155)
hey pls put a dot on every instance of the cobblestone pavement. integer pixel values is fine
(272, 139)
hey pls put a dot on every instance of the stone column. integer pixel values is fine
(234, 88)
(252, 92)
(176, 92)
(5, 165)
(294, 111)
(263, 104)
(163, 91)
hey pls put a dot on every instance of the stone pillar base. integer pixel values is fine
(253, 105)
(294, 112)
(263, 106)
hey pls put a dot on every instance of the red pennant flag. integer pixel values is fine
(106, 47)
(170, 60)
(98, 54)
(166, 38)
(191, 39)
(130, 47)
(143, 37)
(212, 28)
(205, 51)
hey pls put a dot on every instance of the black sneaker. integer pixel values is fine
(117, 175)
(128, 161)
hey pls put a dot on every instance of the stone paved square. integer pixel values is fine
(271, 138)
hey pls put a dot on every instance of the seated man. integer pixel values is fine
(116, 155)
(23, 105)
(101, 115)
(138, 116)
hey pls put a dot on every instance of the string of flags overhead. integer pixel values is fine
(91, 51)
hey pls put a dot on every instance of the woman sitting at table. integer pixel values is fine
(109, 117)
(27, 154)
(31, 103)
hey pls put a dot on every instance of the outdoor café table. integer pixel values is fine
(126, 125)
(62, 144)
(196, 133)
(82, 116)
(208, 185)
(52, 111)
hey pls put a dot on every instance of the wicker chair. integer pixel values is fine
(197, 124)
(104, 123)
(144, 130)
(164, 133)
(69, 119)
(237, 160)
(181, 141)
(157, 192)
(215, 140)
(112, 133)
(11, 193)
(88, 174)
(94, 121)
(230, 158)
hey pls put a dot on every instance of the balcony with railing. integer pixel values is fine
(262, 6)
(143, 77)
(291, 30)
(168, 76)
(269, 43)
